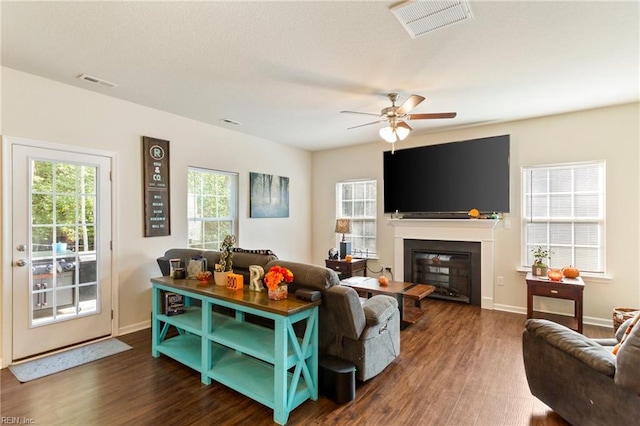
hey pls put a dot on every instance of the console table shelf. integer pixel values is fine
(271, 366)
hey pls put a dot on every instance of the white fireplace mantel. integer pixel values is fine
(477, 230)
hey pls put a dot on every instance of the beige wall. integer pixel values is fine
(610, 134)
(41, 109)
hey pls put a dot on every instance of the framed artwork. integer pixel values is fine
(269, 195)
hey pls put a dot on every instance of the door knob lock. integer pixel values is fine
(21, 262)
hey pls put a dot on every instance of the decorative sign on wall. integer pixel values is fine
(157, 209)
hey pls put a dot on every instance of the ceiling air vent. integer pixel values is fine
(96, 80)
(230, 121)
(419, 17)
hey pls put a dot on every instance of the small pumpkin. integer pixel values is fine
(555, 274)
(570, 272)
(383, 281)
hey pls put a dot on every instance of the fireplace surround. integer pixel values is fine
(474, 230)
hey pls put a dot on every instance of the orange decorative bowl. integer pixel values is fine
(204, 276)
(555, 274)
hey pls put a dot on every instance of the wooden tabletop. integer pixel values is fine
(372, 285)
(244, 297)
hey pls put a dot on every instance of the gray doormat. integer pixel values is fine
(55, 363)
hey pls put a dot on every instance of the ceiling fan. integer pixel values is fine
(398, 129)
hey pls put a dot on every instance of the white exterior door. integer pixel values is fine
(61, 255)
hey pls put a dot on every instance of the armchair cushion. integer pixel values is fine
(574, 344)
(378, 309)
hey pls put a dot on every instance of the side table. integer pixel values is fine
(567, 288)
(347, 269)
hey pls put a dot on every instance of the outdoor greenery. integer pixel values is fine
(210, 208)
(63, 205)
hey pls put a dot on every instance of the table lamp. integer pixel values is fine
(343, 226)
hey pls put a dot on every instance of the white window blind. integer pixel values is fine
(357, 200)
(212, 211)
(564, 210)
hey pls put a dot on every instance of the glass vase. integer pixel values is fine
(279, 293)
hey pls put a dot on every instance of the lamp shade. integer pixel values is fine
(343, 226)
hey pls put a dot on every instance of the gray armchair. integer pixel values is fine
(365, 334)
(579, 377)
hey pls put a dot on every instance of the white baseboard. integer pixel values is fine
(509, 308)
(134, 327)
(599, 322)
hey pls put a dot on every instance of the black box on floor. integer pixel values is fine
(337, 379)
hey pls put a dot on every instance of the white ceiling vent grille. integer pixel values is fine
(96, 80)
(419, 17)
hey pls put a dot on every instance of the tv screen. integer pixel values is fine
(452, 177)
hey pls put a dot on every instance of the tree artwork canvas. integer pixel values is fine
(269, 195)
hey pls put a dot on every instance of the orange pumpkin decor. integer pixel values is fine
(570, 272)
(555, 274)
(383, 281)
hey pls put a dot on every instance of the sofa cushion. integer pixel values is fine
(622, 329)
(184, 254)
(309, 276)
(627, 331)
(628, 360)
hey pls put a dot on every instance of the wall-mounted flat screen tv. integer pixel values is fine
(447, 178)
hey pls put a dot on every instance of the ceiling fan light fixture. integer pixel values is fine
(402, 130)
(388, 134)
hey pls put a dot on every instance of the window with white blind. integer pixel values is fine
(212, 213)
(563, 211)
(357, 200)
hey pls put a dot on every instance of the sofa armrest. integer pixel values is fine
(378, 309)
(574, 344)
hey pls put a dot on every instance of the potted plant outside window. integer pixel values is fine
(539, 267)
(225, 266)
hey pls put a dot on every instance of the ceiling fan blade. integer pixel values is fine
(402, 123)
(357, 112)
(432, 116)
(412, 102)
(366, 124)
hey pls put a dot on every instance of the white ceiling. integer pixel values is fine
(285, 69)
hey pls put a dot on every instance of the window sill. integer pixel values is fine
(604, 278)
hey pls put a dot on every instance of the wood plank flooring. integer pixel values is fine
(459, 365)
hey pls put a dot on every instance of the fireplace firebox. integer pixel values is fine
(453, 267)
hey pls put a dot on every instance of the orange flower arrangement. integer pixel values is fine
(278, 276)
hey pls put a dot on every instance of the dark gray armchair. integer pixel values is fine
(579, 377)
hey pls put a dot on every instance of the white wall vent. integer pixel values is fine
(230, 121)
(96, 80)
(419, 17)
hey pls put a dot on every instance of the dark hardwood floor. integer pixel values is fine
(459, 365)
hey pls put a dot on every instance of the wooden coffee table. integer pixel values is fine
(371, 286)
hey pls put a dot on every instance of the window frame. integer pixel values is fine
(353, 237)
(232, 206)
(600, 219)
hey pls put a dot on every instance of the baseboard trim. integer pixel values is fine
(599, 322)
(134, 327)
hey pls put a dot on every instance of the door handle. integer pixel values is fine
(21, 262)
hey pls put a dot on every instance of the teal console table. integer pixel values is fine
(271, 366)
